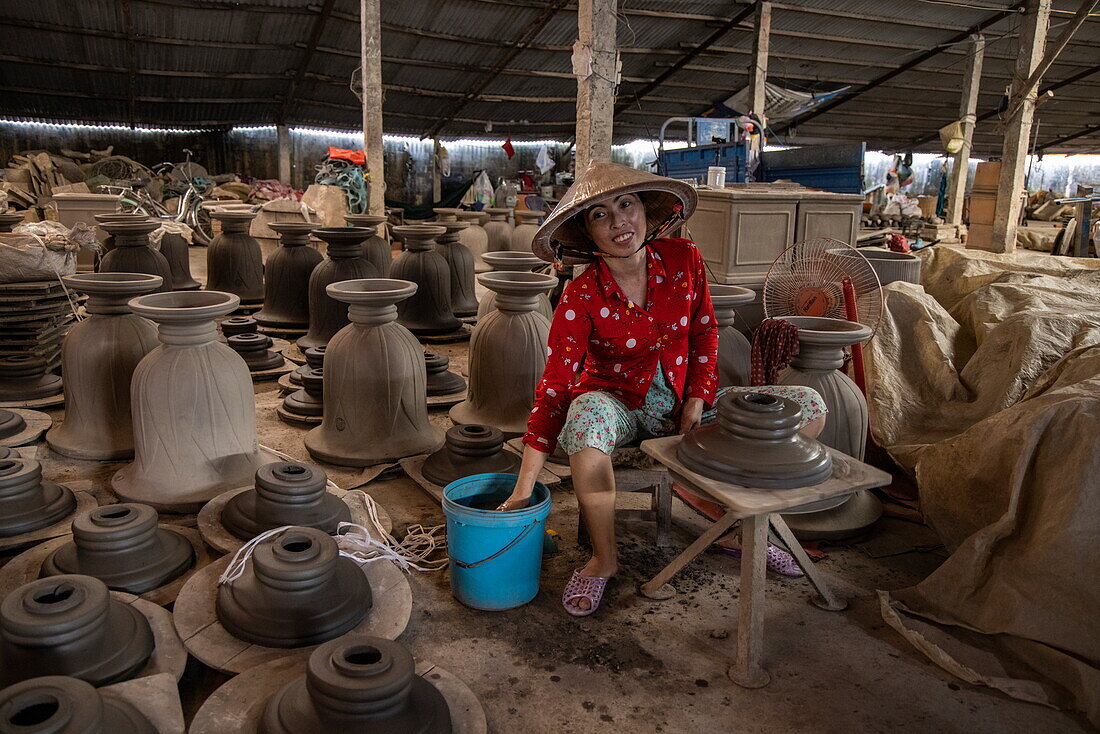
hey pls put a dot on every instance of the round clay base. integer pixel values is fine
(84, 502)
(297, 420)
(286, 386)
(276, 332)
(237, 706)
(169, 655)
(37, 424)
(275, 372)
(217, 537)
(459, 335)
(294, 353)
(26, 567)
(210, 643)
(52, 401)
(446, 401)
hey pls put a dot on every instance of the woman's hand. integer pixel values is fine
(529, 469)
(691, 415)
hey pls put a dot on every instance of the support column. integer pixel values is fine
(370, 58)
(595, 61)
(760, 44)
(437, 174)
(1017, 135)
(282, 137)
(968, 106)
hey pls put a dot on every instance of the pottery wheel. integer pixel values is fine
(35, 424)
(84, 502)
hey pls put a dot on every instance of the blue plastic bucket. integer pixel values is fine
(496, 557)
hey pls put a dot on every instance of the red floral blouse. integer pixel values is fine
(599, 340)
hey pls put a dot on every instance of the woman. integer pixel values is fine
(632, 351)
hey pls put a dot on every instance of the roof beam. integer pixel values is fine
(155, 40)
(140, 72)
(307, 56)
(1089, 130)
(123, 98)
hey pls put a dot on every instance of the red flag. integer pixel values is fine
(508, 148)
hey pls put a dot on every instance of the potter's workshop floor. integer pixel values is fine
(643, 666)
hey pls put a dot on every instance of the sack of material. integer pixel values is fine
(43, 251)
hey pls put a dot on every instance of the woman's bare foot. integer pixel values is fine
(595, 568)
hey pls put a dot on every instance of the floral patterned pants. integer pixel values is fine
(598, 420)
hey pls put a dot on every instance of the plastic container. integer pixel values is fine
(716, 177)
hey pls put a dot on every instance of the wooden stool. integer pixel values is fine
(632, 478)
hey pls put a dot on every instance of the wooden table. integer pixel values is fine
(758, 509)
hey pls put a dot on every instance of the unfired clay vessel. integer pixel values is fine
(375, 386)
(527, 224)
(286, 278)
(10, 424)
(470, 449)
(122, 546)
(507, 354)
(889, 266)
(193, 405)
(309, 400)
(27, 502)
(286, 493)
(108, 243)
(428, 310)
(238, 325)
(99, 356)
(296, 591)
(734, 350)
(174, 248)
(358, 683)
(513, 262)
(442, 381)
(315, 360)
(234, 260)
(345, 261)
(133, 253)
(256, 351)
(460, 262)
(375, 247)
(24, 377)
(499, 229)
(55, 704)
(9, 221)
(475, 237)
(70, 625)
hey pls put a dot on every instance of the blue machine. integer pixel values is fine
(693, 161)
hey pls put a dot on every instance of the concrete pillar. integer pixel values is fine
(282, 137)
(972, 79)
(761, 42)
(370, 58)
(595, 62)
(437, 174)
(1017, 136)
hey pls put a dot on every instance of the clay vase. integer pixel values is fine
(108, 242)
(122, 546)
(475, 237)
(297, 591)
(24, 377)
(99, 356)
(446, 214)
(441, 381)
(13, 423)
(134, 254)
(428, 309)
(174, 248)
(527, 224)
(193, 406)
(460, 262)
(507, 354)
(755, 443)
(286, 278)
(358, 683)
(70, 625)
(255, 349)
(375, 386)
(469, 449)
(28, 503)
(734, 350)
(286, 493)
(315, 360)
(499, 229)
(375, 248)
(513, 262)
(309, 400)
(345, 261)
(238, 325)
(9, 221)
(55, 704)
(234, 260)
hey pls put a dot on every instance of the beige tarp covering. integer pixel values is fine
(985, 384)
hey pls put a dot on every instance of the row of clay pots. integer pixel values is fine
(129, 250)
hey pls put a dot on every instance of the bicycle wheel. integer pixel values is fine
(198, 219)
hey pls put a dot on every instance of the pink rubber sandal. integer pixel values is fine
(583, 587)
(778, 560)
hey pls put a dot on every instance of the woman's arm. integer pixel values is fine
(533, 461)
(702, 369)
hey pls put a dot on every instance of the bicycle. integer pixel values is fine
(183, 179)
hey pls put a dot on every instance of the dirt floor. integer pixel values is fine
(646, 666)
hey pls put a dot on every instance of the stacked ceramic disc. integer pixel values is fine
(34, 319)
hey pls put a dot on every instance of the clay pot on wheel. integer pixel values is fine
(24, 377)
(285, 493)
(286, 278)
(134, 254)
(99, 356)
(499, 229)
(513, 262)
(234, 260)
(345, 261)
(375, 247)
(527, 224)
(507, 354)
(734, 350)
(27, 503)
(174, 248)
(375, 386)
(460, 262)
(428, 310)
(470, 449)
(55, 704)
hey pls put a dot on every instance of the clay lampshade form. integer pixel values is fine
(315, 360)
(55, 704)
(24, 377)
(133, 252)
(446, 214)
(375, 382)
(70, 625)
(889, 266)
(238, 325)
(428, 310)
(286, 278)
(755, 443)
(527, 224)
(28, 503)
(375, 248)
(734, 350)
(513, 262)
(309, 400)
(193, 405)
(122, 546)
(499, 229)
(108, 243)
(345, 261)
(296, 591)
(234, 260)
(460, 262)
(99, 356)
(474, 236)
(469, 449)
(12, 424)
(9, 221)
(286, 493)
(255, 349)
(507, 354)
(174, 248)
(442, 381)
(358, 683)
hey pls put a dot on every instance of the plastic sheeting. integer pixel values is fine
(985, 384)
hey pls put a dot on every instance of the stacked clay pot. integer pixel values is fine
(469, 449)
(256, 351)
(99, 356)
(375, 248)
(428, 309)
(108, 243)
(527, 224)
(513, 262)
(734, 350)
(56, 704)
(27, 502)
(234, 260)
(442, 381)
(345, 260)
(24, 377)
(285, 493)
(475, 237)
(499, 229)
(315, 359)
(286, 278)
(460, 262)
(133, 253)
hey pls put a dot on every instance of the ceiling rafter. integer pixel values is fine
(323, 14)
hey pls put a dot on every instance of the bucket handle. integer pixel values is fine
(517, 539)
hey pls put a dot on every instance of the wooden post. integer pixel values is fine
(595, 62)
(968, 107)
(1017, 135)
(370, 58)
(749, 671)
(761, 42)
(437, 174)
(282, 138)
